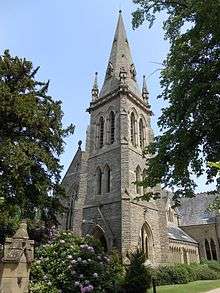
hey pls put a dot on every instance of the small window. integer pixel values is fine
(132, 129)
(141, 133)
(112, 127)
(99, 181)
(101, 132)
(107, 179)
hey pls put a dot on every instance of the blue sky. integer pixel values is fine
(71, 40)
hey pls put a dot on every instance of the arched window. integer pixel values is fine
(107, 179)
(207, 249)
(101, 132)
(138, 179)
(146, 241)
(112, 127)
(213, 249)
(132, 129)
(141, 133)
(99, 181)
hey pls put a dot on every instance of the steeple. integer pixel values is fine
(120, 65)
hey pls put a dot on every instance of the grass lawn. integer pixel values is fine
(193, 287)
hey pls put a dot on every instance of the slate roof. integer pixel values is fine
(194, 211)
(176, 233)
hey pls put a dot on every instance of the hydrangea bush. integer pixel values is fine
(73, 264)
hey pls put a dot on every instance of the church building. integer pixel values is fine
(102, 196)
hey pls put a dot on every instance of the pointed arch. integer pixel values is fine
(99, 180)
(107, 173)
(213, 249)
(101, 131)
(147, 241)
(112, 127)
(141, 133)
(99, 234)
(132, 130)
(138, 179)
(207, 249)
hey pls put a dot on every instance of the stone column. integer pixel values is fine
(16, 262)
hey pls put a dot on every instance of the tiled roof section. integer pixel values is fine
(194, 211)
(178, 234)
(120, 58)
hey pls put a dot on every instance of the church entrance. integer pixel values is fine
(99, 234)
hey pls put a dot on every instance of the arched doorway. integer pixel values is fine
(147, 241)
(99, 234)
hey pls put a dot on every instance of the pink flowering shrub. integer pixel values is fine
(73, 264)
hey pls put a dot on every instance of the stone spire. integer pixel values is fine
(120, 63)
(144, 90)
(95, 89)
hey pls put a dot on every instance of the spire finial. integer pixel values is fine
(95, 89)
(120, 11)
(144, 90)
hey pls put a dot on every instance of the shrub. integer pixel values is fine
(204, 272)
(73, 264)
(213, 264)
(168, 275)
(138, 276)
(183, 273)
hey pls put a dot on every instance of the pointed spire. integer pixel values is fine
(95, 89)
(120, 61)
(144, 90)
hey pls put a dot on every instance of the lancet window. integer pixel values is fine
(141, 133)
(132, 122)
(101, 132)
(112, 127)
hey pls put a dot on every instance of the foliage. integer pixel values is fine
(138, 276)
(191, 86)
(212, 264)
(183, 273)
(72, 264)
(176, 274)
(32, 139)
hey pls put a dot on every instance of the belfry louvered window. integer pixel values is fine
(141, 133)
(101, 132)
(112, 127)
(132, 129)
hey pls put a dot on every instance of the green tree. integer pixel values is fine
(138, 276)
(31, 141)
(190, 81)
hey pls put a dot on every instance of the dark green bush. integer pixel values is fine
(138, 276)
(183, 273)
(213, 264)
(167, 275)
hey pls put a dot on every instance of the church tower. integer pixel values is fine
(119, 131)
(100, 180)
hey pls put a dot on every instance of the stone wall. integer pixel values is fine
(202, 232)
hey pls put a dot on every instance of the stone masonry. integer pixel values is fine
(100, 180)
